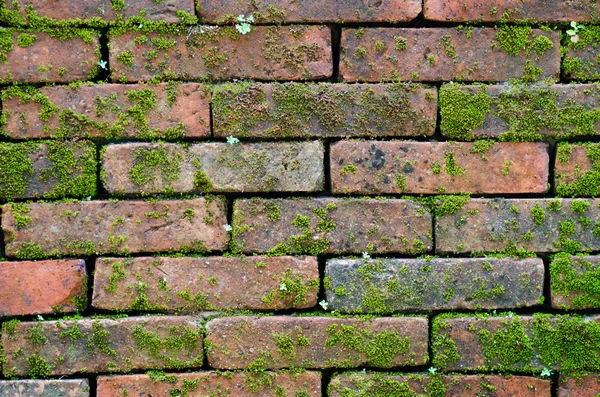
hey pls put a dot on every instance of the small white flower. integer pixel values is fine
(283, 287)
(232, 140)
(324, 304)
(227, 228)
(366, 255)
(40, 318)
(546, 372)
(102, 64)
(432, 370)
(141, 26)
(243, 28)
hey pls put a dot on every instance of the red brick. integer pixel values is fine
(509, 10)
(316, 342)
(251, 283)
(98, 227)
(576, 170)
(50, 59)
(581, 53)
(396, 285)
(87, 346)
(47, 169)
(269, 53)
(46, 388)
(135, 168)
(312, 10)
(108, 111)
(585, 386)
(573, 281)
(42, 287)
(323, 110)
(434, 167)
(499, 224)
(239, 384)
(314, 226)
(440, 54)
(361, 384)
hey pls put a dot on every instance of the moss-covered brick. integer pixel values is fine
(50, 387)
(577, 170)
(575, 281)
(578, 385)
(581, 60)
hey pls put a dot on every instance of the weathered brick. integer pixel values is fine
(46, 388)
(433, 167)
(516, 343)
(102, 345)
(218, 167)
(316, 342)
(443, 54)
(47, 169)
(580, 60)
(121, 227)
(577, 169)
(269, 53)
(395, 285)
(541, 225)
(361, 384)
(519, 113)
(509, 10)
(108, 111)
(49, 57)
(220, 283)
(323, 110)
(573, 281)
(314, 226)
(584, 386)
(239, 384)
(42, 287)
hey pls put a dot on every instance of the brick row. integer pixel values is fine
(50, 388)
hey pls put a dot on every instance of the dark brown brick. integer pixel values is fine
(438, 167)
(581, 54)
(239, 384)
(135, 168)
(584, 386)
(314, 226)
(108, 111)
(120, 227)
(443, 54)
(316, 342)
(47, 169)
(269, 53)
(46, 388)
(323, 110)
(396, 285)
(541, 225)
(573, 281)
(252, 283)
(119, 345)
(576, 170)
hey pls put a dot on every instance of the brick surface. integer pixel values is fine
(42, 287)
(219, 167)
(576, 170)
(219, 283)
(586, 386)
(49, 59)
(573, 282)
(47, 169)
(359, 384)
(434, 167)
(108, 111)
(313, 226)
(97, 227)
(325, 110)
(544, 225)
(395, 285)
(581, 60)
(443, 54)
(48, 388)
(270, 53)
(509, 10)
(316, 342)
(267, 384)
(67, 347)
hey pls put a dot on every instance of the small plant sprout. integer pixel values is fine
(324, 304)
(575, 28)
(546, 373)
(102, 64)
(227, 228)
(366, 255)
(432, 370)
(232, 140)
(244, 24)
(283, 287)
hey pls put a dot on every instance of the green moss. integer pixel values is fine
(38, 366)
(126, 57)
(146, 161)
(462, 111)
(576, 278)
(451, 167)
(26, 39)
(538, 215)
(516, 39)
(16, 168)
(499, 348)
(451, 204)
(586, 183)
(348, 169)
(542, 44)
(444, 348)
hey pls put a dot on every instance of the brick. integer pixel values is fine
(573, 281)
(108, 111)
(239, 384)
(316, 342)
(48, 388)
(519, 113)
(42, 287)
(396, 285)
(209, 52)
(433, 167)
(103, 345)
(576, 170)
(581, 52)
(509, 10)
(516, 343)
(135, 168)
(540, 225)
(47, 169)
(584, 386)
(288, 110)
(49, 58)
(251, 283)
(443, 54)
(120, 227)
(365, 384)
(314, 226)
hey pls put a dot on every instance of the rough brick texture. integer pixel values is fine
(581, 60)
(573, 281)
(576, 170)
(586, 386)
(49, 388)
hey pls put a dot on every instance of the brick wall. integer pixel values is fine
(300, 198)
